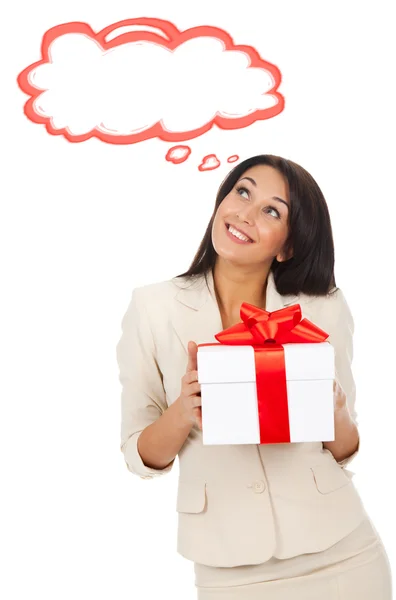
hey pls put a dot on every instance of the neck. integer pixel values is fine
(234, 286)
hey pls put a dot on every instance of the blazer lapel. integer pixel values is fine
(196, 315)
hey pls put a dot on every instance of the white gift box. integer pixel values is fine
(229, 395)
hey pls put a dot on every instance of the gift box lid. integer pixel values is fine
(235, 364)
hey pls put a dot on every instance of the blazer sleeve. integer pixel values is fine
(341, 333)
(143, 395)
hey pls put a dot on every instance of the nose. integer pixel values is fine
(246, 214)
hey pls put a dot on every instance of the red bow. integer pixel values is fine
(284, 326)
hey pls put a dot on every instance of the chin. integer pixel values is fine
(232, 258)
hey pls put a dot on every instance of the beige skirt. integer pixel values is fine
(355, 568)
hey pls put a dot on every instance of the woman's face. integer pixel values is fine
(257, 207)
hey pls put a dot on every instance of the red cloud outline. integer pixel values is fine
(178, 161)
(174, 39)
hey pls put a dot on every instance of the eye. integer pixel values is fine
(242, 189)
(277, 213)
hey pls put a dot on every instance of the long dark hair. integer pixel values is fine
(311, 269)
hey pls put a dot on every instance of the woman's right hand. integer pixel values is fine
(190, 395)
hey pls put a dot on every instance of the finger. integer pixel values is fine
(337, 389)
(195, 402)
(199, 420)
(191, 389)
(190, 377)
(198, 416)
(192, 356)
(194, 389)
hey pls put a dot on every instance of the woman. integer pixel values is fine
(269, 521)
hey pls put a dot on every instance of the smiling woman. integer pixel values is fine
(270, 216)
(274, 521)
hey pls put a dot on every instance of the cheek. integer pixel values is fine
(216, 223)
(225, 207)
(222, 212)
(272, 235)
(216, 227)
(218, 215)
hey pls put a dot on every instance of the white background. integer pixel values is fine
(83, 224)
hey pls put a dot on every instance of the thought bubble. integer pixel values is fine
(178, 154)
(124, 86)
(209, 163)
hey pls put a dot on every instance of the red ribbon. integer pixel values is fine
(266, 332)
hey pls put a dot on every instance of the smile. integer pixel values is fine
(237, 236)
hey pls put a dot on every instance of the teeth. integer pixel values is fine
(237, 234)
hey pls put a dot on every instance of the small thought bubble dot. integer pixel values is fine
(233, 158)
(178, 154)
(209, 162)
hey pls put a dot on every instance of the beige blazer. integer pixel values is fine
(236, 504)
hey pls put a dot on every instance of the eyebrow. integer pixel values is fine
(273, 197)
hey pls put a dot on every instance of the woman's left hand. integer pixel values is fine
(339, 396)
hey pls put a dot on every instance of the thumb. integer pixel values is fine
(192, 357)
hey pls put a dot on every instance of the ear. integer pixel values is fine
(281, 257)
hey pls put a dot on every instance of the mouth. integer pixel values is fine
(237, 236)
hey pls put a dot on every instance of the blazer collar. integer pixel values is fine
(196, 293)
(196, 314)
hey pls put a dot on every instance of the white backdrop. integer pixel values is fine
(82, 224)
